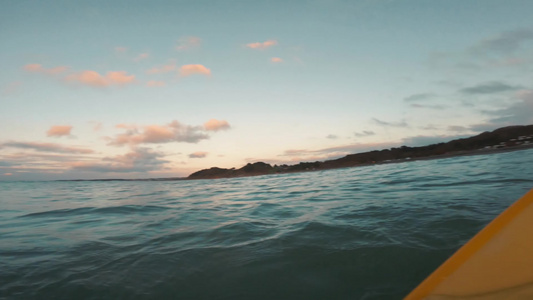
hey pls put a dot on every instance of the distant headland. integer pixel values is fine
(502, 139)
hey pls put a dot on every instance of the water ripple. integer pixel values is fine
(126, 209)
(360, 233)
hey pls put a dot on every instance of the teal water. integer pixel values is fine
(361, 233)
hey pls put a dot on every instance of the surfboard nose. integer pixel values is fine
(495, 264)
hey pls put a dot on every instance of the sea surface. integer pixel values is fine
(358, 233)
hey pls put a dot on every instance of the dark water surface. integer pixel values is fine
(360, 233)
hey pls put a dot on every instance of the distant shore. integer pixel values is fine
(509, 138)
(472, 152)
(441, 156)
(506, 139)
(434, 157)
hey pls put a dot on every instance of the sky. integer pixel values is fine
(139, 89)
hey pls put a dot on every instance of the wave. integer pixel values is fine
(477, 182)
(362, 233)
(124, 209)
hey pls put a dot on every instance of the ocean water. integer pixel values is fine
(360, 233)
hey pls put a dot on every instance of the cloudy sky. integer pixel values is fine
(135, 89)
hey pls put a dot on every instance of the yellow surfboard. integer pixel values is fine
(497, 263)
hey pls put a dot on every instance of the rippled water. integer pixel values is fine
(360, 233)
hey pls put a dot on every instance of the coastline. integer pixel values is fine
(501, 140)
(433, 157)
(474, 152)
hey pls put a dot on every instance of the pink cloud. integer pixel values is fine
(93, 78)
(119, 77)
(33, 67)
(198, 154)
(142, 56)
(188, 43)
(188, 70)
(163, 69)
(121, 49)
(139, 160)
(276, 60)
(155, 83)
(8, 174)
(38, 68)
(157, 134)
(216, 125)
(262, 45)
(59, 131)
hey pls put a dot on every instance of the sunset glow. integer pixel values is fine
(162, 89)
